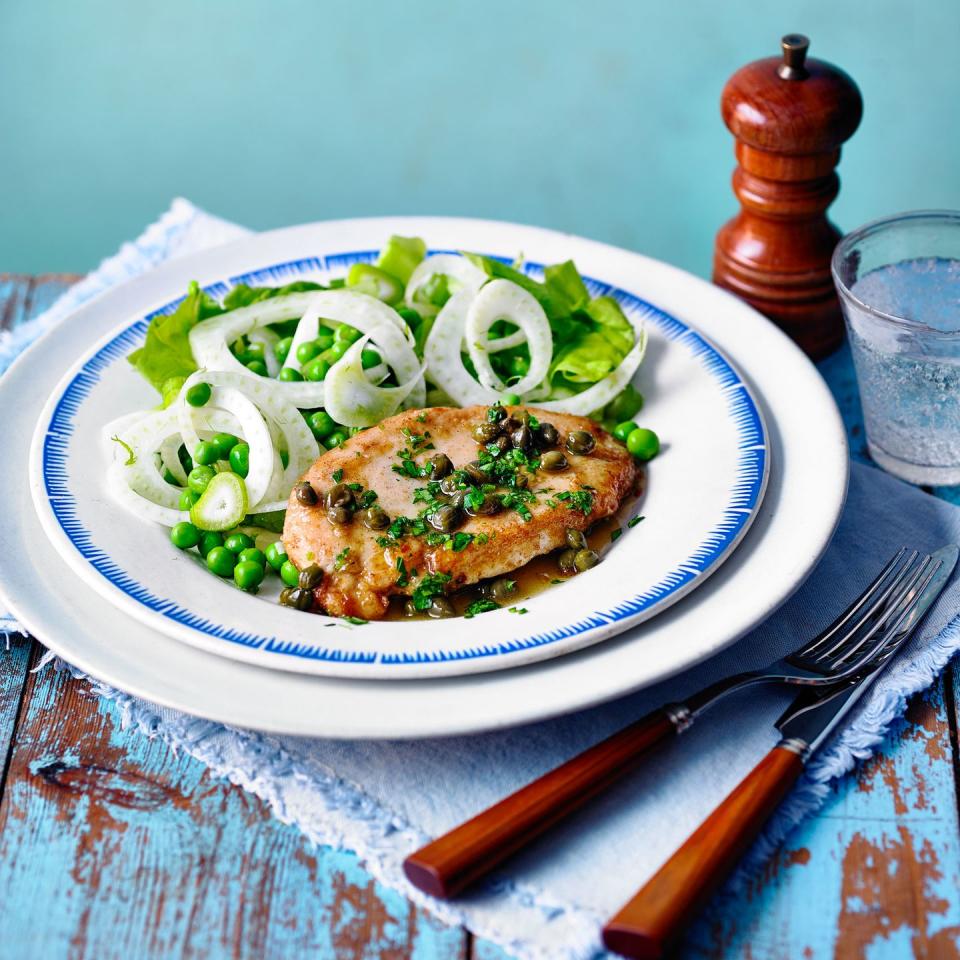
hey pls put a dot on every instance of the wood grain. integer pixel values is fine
(112, 846)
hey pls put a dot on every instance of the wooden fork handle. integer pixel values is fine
(451, 862)
(648, 924)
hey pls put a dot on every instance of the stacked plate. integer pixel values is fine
(738, 507)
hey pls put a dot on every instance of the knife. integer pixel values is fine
(647, 925)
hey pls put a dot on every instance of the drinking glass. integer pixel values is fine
(899, 286)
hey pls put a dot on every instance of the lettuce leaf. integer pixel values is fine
(589, 359)
(166, 353)
(611, 323)
(400, 257)
(564, 282)
(552, 298)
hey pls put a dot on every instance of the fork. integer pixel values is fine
(453, 861)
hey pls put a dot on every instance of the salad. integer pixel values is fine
(253, 388)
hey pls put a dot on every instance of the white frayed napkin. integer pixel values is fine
(384, 799)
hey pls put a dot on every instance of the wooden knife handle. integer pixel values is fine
(451, 862)
(648, 924)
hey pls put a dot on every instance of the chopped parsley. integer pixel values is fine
(517, 610)
(632, 523)
(422, 416)
(404, 579)
(483, 605)
(431, 585)
(337, 476)
(615, 535)
(356, 621)
(581, 500)
(341, 558)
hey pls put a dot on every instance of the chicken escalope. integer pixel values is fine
(364, 567)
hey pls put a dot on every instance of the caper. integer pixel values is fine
(522, 437)
(500, 590)
(585, 559)
(509, 424)
(439, 466)
(520, 481)
(547, 436)
(580, 442)
(338, 515)
(485, 432)
(409, 609)
(456, 499)
(297, 598)
(440, 607)
(375, 518)
(576, 539)
(487, 507)
(310, 577)
(340, 496)
(567, 561)
(446, 518)
(554, 461)
(474, 473)
(496, 413)
(450, 485)
(305, 494)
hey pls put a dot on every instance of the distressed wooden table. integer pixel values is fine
(111, 845)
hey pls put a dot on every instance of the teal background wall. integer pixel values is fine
(597, 117)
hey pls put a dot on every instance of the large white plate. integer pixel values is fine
(702, 492)
(803, 502)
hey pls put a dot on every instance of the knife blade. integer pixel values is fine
(818, 711)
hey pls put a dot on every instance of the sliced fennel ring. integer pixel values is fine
(223, 505)
(466, 275)
(352, 399)
(442, 355)
(504, 300)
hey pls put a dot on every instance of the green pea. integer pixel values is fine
(281, 349)
(198, 394)
(316, 369)
(199, 477)
(289, 574)
(276, 555)
(208, 542)
(335, 439)
(519, 366)
(370, 358)
(336, 351)
(184, 535)
(221, 561)
(258, 367)
(324, 341)
(252, 555)
(346, 334)
(254, 351)
(510, 399)
(626, 405)
(290, 375)
(238, 542)
(643, 444)
(225, 443)
(321, 423)
(307, 351)
(623, 430)
(240, 459)
(248, 575)
(206, 453)
(187, 499)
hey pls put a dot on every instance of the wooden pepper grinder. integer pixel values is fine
(790, 117)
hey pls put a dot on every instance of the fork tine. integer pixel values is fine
(889, 597)
(868, 596)
(904, 606)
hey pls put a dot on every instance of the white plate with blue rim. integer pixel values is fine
(702, 492)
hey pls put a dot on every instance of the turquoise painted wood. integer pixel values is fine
(110, 845)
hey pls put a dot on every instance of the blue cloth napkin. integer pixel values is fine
(383, 799)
